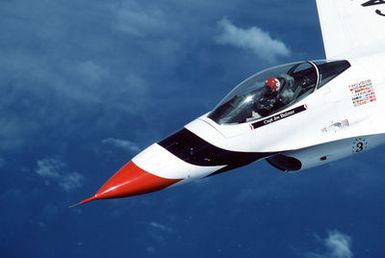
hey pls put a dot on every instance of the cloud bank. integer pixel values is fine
(122, 144)
(140, 21)
(337, 245)
(52, 170)
(253, 39)
(161, 227)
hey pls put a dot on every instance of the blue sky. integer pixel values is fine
(87, 84)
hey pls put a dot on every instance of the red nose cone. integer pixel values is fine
(131, 180)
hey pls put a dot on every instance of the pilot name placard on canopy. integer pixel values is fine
(278, 117)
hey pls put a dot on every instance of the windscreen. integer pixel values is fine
(266, 93)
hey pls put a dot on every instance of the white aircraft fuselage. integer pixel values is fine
(324, 110)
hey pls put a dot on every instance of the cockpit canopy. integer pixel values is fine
(256, 98)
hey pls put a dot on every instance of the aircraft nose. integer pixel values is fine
(131, 180)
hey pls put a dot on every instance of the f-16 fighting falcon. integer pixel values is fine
(295, 116)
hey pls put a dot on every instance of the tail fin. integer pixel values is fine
(352, 27)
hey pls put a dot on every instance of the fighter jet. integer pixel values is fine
(295, 116)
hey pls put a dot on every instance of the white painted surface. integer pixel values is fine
(158, 161)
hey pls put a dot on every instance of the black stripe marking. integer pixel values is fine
(279, 116)
(189, 147)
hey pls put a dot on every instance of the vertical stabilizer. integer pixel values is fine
(352, 27)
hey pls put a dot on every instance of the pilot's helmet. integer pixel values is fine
(273, 84)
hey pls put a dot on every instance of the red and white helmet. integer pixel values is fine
(273, 84)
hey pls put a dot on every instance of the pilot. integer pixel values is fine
(278, 93)
(266, 104)
(273, 84)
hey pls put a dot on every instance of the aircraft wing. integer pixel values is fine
(352, 27)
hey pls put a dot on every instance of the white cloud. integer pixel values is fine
(53, 170)
(91, 72)
(49, 168)
(122, 144)
(161, 227)
(71, 181)
(337, 245)
(138, 20)
(253, 39)
(158, 234)
(151, 250)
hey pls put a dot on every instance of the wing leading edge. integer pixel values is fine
(352, 27)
